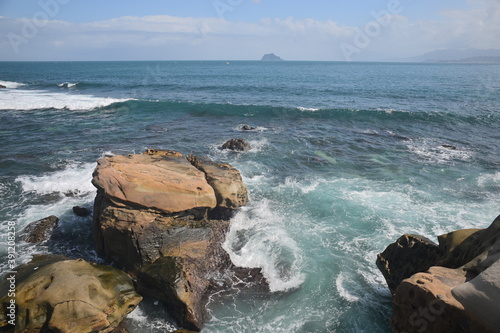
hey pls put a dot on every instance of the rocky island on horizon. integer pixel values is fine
(271, 57)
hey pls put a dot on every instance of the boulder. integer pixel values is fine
(40, 231)
(81, 211)
(246, 127)
(239, 145)
(226, 181)
(163, 217)
(2, 86)
(459, 292)
(54, 294)
(167, 183)
(410, 254)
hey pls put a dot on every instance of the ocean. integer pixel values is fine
(346, 158)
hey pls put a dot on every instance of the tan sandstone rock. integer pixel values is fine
(164, 217)
(168, 183)
(460, 293)
(57, 295)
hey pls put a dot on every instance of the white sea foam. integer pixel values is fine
(258, 239)
(300, 108)
(40, 99)
(146, 323)
(304, 186)
(258, 145)
(67, 85)
(75, 179)
(11, 85)
(488, 179)
(344, 293)
(433, 153)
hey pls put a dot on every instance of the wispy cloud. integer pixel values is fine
(170, 37)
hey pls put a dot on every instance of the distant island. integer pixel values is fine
(271, 57)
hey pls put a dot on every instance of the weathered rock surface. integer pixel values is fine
(226, 181)
(165, 182)
(410, 254)
(54, 294)
(240, 145)
(41, 230)
(163, 217)
(460, 292)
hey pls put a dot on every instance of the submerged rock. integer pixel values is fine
(450, 147)
(459, 292)
(40, 231)
(163, 217)
(239, 144)
(81, 211)
(54, 294)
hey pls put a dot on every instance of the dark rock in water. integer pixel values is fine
(271, 57)
(237, 145)
(72, 193)
(55, 294)
(41, 230)
(2, 86)
(459, 291)
(164, 218)
(81, 211)
(451, 147)
(247, 128)
(410, 254)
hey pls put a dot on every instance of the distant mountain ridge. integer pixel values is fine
(459, 55)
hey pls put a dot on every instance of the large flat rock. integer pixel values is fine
(168, 183)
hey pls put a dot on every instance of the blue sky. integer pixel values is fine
(242, 29)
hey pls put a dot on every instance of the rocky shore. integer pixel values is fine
(453, 286)
(161, 218)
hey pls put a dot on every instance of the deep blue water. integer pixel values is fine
(346, 158)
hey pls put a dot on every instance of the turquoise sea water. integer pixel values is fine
(346, 158)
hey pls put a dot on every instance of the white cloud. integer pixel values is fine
(169, 37)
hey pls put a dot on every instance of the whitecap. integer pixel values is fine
(67, 85)
(300, 108)
(11, 84)
(258, 239)
(40, 99)
(74, 179)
